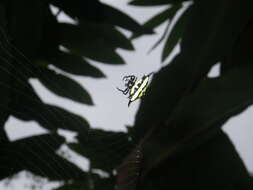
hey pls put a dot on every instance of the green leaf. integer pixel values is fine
(74, 64)
(105, 149)
(154, 2)
(65, 87)
(160, 18)
(83, 42)
(175, 35)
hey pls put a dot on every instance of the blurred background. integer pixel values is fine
(110, 111)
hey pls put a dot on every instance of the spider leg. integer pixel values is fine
(126, 91)
(128, 76)
(123, 91)
(120, 89)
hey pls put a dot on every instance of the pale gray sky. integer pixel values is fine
(110, 111)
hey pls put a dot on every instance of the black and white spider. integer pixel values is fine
(135, 88)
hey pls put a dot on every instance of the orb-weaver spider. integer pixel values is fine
(135, 88)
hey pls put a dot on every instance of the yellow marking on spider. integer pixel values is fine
(135, 88)
(138, 90)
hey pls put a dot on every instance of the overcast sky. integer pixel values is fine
(110, 111)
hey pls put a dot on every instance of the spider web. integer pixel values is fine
(26, 178)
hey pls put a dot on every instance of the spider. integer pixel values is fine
(129, 83)
(135, 88)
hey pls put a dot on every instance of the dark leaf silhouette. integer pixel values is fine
(65, 87)
(175, 35)
(104, 14)
(66, 120)
(185, 71)
(169, 132)
(24, 28)
(37, 155)
(106, 33)
(81, 10)
(116, 17)
(174, 10)
(100, 49)
(160, 18)
(74, 64)
(154, 2)
(73, 186)
(49, 116)
(97, 183)
(105, 149)
(203, 163)
(197, 115)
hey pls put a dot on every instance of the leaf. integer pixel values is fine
(74, 64)
(96, 182)
(161, 38)
(49, 116)
(205, 162)
(81, 9)
(116, 17)
(86, 44)
(160, 18)
(106, 32)
(216, 99)
(175, 35)
(104, 14)
(13, 161)
(202, 113)
(50, 34)
(6, 80)
(104, 183)
(37, 154)
(23, 26)
(154, 2)
(65, 87)
(73, 186)
(200, 49)
(173, 133)
(241, 51)
(105, 149)
(66, 120)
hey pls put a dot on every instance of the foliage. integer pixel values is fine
(177, 140)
